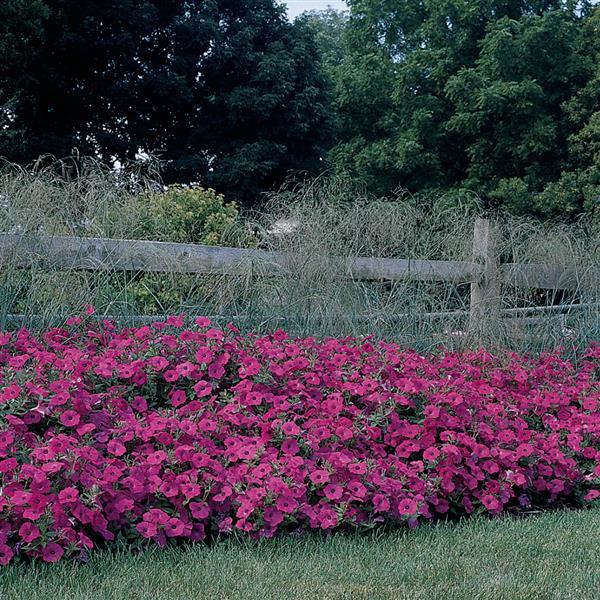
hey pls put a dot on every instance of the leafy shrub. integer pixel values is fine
(570, 193)
(170, 431)
(184, 214)
(187, 214)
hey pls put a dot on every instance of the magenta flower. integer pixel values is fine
(225, 525)
(290, 428)
(381, 503)
(333, 491)
(290, 447)
(52, 553)
(286, 504)
(28, 533)
(357, 489)
(70, 418)
(490, 502)
(147, 529)
(266, 433)
(199, 510)
(68, 495)
(407, 507)
(319, 477)
(203, 389)
(6, 554)
(204, 355)
(174, 527)
(178, 398)
(116, 448)
(171, 375)
(357, 468)
(431, 454)
(273, 516)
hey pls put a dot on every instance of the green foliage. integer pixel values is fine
(582, 173)
(508, 105)
(103, 203)
(513, 194)
(229, 93)
(485, 95)
(328, 27)
(499, 99)
(187, 214)
(21, 23)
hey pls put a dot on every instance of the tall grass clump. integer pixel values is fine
(317, 226)
(80, 197)
(321, 224)
(85, 198)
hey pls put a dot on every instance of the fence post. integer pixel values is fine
(485, 290)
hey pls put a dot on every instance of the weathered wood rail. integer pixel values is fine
(65, 252)
(484, 272)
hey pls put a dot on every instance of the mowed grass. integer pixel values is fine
(555, 555)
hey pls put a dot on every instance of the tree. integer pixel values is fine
(578, 187)
(21, 24)
(227, 92)
(441, 95)
(261, 108)
(328, 27)
(508, 107)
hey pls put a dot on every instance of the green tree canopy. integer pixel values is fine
(227, 92)
(21, 23)
(477, 94)
(328, 26)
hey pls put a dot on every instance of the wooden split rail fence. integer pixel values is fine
(485, 273)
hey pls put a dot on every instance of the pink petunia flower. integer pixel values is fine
(52, 553)
(68, 495)
(6, 554)
(29, 532)
(116, 448)
(408, 506)
(333, 491)
(70, 418)
(319, 477)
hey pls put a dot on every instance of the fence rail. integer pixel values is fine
(484, 272)
(66, 252)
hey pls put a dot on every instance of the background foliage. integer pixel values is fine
(496, 98)
(226, 92)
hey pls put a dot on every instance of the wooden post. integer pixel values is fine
(485, 290)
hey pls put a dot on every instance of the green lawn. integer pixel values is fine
(550, 556)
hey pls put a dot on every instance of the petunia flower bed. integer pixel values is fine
(183, 431)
